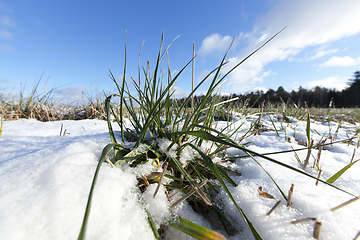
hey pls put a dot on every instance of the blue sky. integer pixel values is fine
(74, 43)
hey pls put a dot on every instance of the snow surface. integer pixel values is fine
(45, 181)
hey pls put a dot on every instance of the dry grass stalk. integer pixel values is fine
(321, 146)
(186, 196)
(1, 126)
(296, 155)
(258, 130)
(317, 226)
(345, 204)
(146, 181)
(265, 195)
(161, 178)
(297, 136)
(108, 160)
(291, 191)
(167, 195)
(352, 158)
(317, 181)
(269, 196)
(317, 229)
(303, 220)
(51, 111)
(274, 207)
(308, 154)
(176, 192)
(61, 129)
(202, 195)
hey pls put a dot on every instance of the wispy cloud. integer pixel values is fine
(310, 23)
(322, 53)
(4, 7)
(6, 21)
(341, 62)
(5, 34)
(5, 48)
(4, 81)
(214, 44)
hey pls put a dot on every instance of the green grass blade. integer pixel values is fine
(180, 168)
(231, 143)
(117, 148)
(108, 111)
(148, 215)
(216, 173)
(135, 154)
(226, 223)
(88, 205)
(280, 190)
(301, 149)
(152, 225)
(184, 104)
(196, 231)
(222, 171)
(121, 92)
(272, 122)
(339, 173)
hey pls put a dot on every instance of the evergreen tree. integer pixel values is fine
(354, 90)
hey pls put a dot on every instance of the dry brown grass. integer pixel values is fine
(44, 113)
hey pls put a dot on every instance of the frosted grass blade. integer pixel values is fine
(134, 154)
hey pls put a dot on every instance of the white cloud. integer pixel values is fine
(259, 89)
(222, 93)
(174, 72)
(322, 53)
(341, 62)
(329, 83)
(309, 23)
(70, 94)
(213, 44)
(180, 93)
(313, 22)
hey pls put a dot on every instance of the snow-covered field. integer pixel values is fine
(45, 181)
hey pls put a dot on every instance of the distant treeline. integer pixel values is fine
(317, 97)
